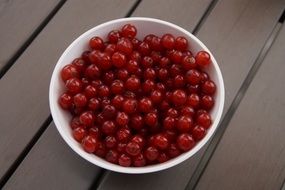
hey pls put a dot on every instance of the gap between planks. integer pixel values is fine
(30, 39)
(202, 165)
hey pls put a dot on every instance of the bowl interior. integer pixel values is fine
(145, 26)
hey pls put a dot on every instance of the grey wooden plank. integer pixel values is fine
(18, 20)
(24, 88)
(51, 164)
(252, 152)
(235, 31)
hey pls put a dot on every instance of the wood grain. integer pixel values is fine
(252, 152)
(18, 20)
(51, 164)
(235, 32)
(24, 88)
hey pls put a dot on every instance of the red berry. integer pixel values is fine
(108, 128)
(171, 112)
(117, 101)
(185, 142)
(179, 81)
(122, 74)
(136, 122)
(163, 74)
(168, 41)
(135, 43)
(87, 118)
(144, 49)
(92, 72)
(133, 149)
(101, 150)
(133, 83)
(208, 87)
(132, 66)
(78, 133)
(110, 142)
(161, 142)
(173, 151)
(94, 132)
(187, 111)
(155, 44)
(203, 58)
(130, 106)
(90, 91)
(179, 97)
(198, 132)
(104, 62)
(193, 100)
(204, 119)
(181, 43)
(112, 156)
(139, 140)
(125, 160)
(65, 101)
(74, 85)
(149, 74)
(168, 123)
(148, 38)
(125, 46)
(139, 160)
(123, 135)
(175, 70)
(69, 71)
(207, 102)
(129, 31)
(184, 124)
(75, 122)
(151, 153)
(85, 56)
(109, 112)
(188, 62)
(147, 62)
(119, 60)
(204, 77)
(89, 144)
(162, 157)
(156, 96)
(151, 119)
(176, 57)
(80, 100)
(148, 86)
(122, 119)
(193, 77)
(110, 49)
(135, 56)
(121, 147)
(96, 43)
(145, 105)
(94, 104)
(104, 91)
(164, 62)
(114, 36)
(117, 87)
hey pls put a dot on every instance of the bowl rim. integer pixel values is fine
(145, 169)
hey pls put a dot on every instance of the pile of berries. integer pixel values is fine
(137, 103)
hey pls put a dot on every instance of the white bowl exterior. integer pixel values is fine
(145, 26)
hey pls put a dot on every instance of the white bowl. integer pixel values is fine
(145, 26)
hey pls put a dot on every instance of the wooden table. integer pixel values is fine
(246, 36)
